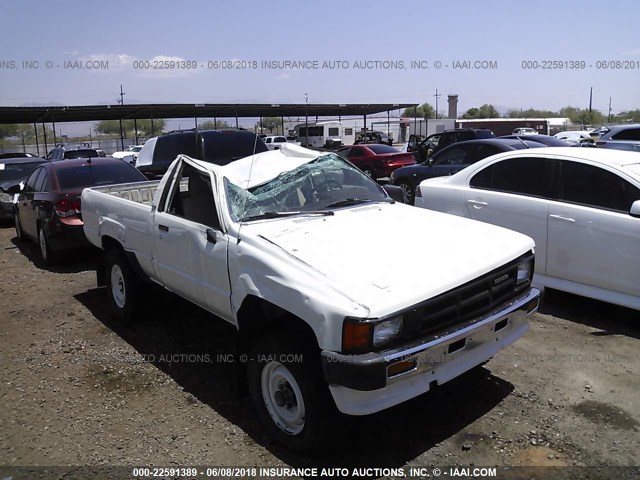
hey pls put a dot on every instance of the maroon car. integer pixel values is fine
(48, 206)
(377, 161)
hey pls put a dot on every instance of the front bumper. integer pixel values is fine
(360, 384)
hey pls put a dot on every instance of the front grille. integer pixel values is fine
(465, 302)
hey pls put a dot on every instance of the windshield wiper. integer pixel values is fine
(354, 201)
(267, 215)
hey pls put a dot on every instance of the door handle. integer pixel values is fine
(561, 218)
(164, 228)
(477, 204)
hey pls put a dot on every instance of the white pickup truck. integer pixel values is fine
(298, 250)
(274, 142)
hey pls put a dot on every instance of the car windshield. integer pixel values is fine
(97, 174)
(380, 149)
(16, 171)
(316, 187)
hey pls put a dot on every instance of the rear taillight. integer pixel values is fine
(67, 207)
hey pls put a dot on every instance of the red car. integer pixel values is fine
(48, 206)
(377, 161)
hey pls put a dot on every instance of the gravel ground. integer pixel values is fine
(77, 388)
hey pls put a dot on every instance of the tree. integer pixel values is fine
(7, 131)
(425, 111)
(485, 111)
(112, 127)
(213, 125)
(270, 123)
(471, 113)
(531, 113)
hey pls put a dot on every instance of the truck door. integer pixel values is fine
(190, 247)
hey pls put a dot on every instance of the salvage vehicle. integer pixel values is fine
(14, 170)
(580, 205)
(215, 146)
(48, 209)
(279, 245)
(375, 160)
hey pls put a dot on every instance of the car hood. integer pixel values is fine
(389, 256)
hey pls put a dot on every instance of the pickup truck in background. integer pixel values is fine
(279, 244)
(274, 142)
(215, 146)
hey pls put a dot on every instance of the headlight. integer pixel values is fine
(5, 198)
(361, 336)
(524, 272)
(387, 330)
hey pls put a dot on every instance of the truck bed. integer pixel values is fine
(139, 192)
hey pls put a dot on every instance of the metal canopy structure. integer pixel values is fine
(85, 113)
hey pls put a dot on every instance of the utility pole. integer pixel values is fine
(437, 95)
(306, 119)
(590, 103)
(609, 116)
(121, 102)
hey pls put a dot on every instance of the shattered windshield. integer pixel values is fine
(313, 188)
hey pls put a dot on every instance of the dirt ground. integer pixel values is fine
(78, 388)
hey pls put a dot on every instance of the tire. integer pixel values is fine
(124, 287)
(369, 173)
(290, 396)
(48, 257)
(16, 223)
(408, 193)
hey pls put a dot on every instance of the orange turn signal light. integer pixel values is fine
(356, 337)
(401, 366)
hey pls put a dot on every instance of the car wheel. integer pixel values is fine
(124, 287)
(48, 257)
(408, 193)
(369, 173)
(16, 222)
(289, 394)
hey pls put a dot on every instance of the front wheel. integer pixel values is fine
(289, 394)
(124, 287)
(408, 193)
(370, 173)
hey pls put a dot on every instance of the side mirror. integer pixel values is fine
(12, 190)
(635, 209)
(211, 235)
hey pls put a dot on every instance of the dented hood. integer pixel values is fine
(389, 256)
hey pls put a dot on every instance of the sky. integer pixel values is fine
(504, 36)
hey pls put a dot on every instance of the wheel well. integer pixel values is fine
(110, 243)
(258, 316)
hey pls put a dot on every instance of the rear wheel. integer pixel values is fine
(289, 394)
(124, 287)
(46, 253)
(408, 194)
(369, 173)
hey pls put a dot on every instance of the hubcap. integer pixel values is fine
(43, 244)
(406, 193)
(283, 398)
(118, 291)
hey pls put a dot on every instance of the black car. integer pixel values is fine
(620, 137)
(17, 155)
(427, 147)
(48, 209)
(546, 140)
(66, 151)
(214, 146)
(12, 172)
(451, 160)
